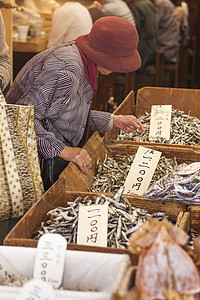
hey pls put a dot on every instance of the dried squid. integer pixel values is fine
(165, 270)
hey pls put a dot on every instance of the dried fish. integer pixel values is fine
(182, 184)
(123, 219)
(13, 281)
(112, 173)
(185, 130)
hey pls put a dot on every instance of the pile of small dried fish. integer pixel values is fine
(13, 281)
(185, 130)
(112, 173)
(182, 184)
(123, 219)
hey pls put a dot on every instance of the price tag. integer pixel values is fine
(6, 269)
(50, 258)
(160, 122)
(141, 171)
(93, 225)
(36, 290)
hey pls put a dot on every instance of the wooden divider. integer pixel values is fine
(22, 233)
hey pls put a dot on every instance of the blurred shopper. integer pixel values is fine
(60, 82)
(117, 8)
(145, 17)
(168, 28)
(68, 22)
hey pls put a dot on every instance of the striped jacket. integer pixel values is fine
(54, 82)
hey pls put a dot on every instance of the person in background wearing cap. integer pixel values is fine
(60, 82)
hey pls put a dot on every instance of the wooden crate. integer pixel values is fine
(21, 234)
(194, 212)
(97, 148)
(186, 100)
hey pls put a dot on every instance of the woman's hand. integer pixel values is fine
(128, 123)
(78, 156)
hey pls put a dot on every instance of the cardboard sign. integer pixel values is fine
(50, 258)
(36, 290)
(160, 122)
(141, 171)
(93, 225)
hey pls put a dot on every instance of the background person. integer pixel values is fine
(72, 19)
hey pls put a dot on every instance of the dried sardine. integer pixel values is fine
(185, 130)
(123, 219)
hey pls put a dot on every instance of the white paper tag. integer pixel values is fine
(36, 290)
(50, 258)
(160, 122)
(7, 269)
(141, 171)
(93, 225)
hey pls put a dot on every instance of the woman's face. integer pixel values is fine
(103, 71)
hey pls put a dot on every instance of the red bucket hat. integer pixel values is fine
(112, 44)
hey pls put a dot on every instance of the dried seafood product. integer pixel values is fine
(13, 281)
(165, 269)
(185, 130)
(123, 219)
(112, 172)
(182, 184)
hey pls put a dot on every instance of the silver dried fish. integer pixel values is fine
(112, 173)
(185, 130)
(123, 219)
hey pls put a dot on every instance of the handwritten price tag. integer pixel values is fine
(36, 290)
(50, 258)
(160, 122)
(141, 171)
(93, 225)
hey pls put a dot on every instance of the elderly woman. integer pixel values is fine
(60, 82)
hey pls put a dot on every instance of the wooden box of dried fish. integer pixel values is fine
(57, 211)
(106, 272)
(185, 121)
(185, 116)
(111, 161)
(186, 100)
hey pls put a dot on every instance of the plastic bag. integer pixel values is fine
(182, 184)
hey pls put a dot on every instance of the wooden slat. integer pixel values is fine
(186, 100)
(194, 217)
(74, 179)
(22, 233)
(32, 45)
